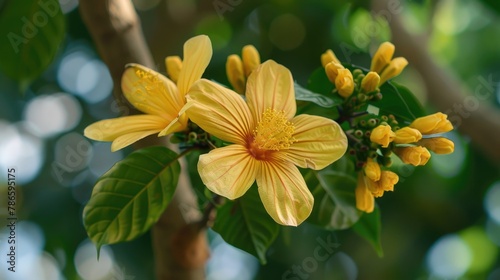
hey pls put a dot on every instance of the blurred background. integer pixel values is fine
(442, 221)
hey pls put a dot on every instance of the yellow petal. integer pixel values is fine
(382, 57)
(271, 86)
(430, 124)
(124, 140)
(109, 130)
(370, 82)
(251, 59)
(344, 82)
(173, 65)
(413, 155)
(407, 135)
(438, 145)
(395, 67)
(228, 171)
(332, 71)
(372, 170)
(284, 193)
(220, 111)
(364, 198)
(320, 141)
(197, 55)
(151, 92)
(234, 72)
(327, 57)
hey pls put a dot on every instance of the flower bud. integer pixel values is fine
(413, 155)
(173, 65)
(382, 57)
(394, 68)
(382, 135)
(372, 170)
(251, 59)
(332, 71)
(435, 123)
(407, 135)
(344, 83)
(387, 180)
(364, 198)
(234, 72)
(370, 82)
(438, 145)
(328, 57)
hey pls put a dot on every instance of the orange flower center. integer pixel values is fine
(273, 133)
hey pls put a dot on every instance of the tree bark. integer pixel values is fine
(179, 244)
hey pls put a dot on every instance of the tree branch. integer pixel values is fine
(116, 31)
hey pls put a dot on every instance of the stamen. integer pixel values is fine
(273, 132)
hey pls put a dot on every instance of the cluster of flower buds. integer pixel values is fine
(374, 139)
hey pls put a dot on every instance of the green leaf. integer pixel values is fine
(129, 198)
(245, 224)
(333, 191)
(399, 101)
(321, 100)
(318, 82)
(31, 32)
(369, 227)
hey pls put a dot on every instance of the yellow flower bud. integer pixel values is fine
(251, 59)
(332, 71)
(394, 68)
(438, 145)
(173, 65)
(382, 135)
(435, 123)
(382, 57)
(234, 72)
(372, 170)
(407, 135)
(364, 198)
(370, 82)
(328, 57)
(344, 82)
(413, 155)
(387, 180)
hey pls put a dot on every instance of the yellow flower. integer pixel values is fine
(158, 97)
(431, 124)
(332, 71)
(372, 170)
(370, 82)
(439, 145)
(382, 135)
(268, 141)
(364, 197)
(344, 83)
(235, 74)
(387, 180)
(394, 68)
(413, 155)
(328, 57)
(382, 57)
(407, 135)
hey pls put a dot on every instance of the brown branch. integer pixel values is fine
(116, 31)
(474, 118)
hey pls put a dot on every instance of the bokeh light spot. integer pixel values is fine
(87, 265)
(52, 114)
(20, 150)
(219, 31)
(449, 257)
(287, 32)
(492, 202)
(72, 154)
(341, 266)
(484, 252)
(103, 159)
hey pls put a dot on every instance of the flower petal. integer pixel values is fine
(151, 92)
(109, 130)
(219, 111)
(271, 86)
(229, 171)
(197, 55)
(320, 141)
(124, 140)
(284, 192)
